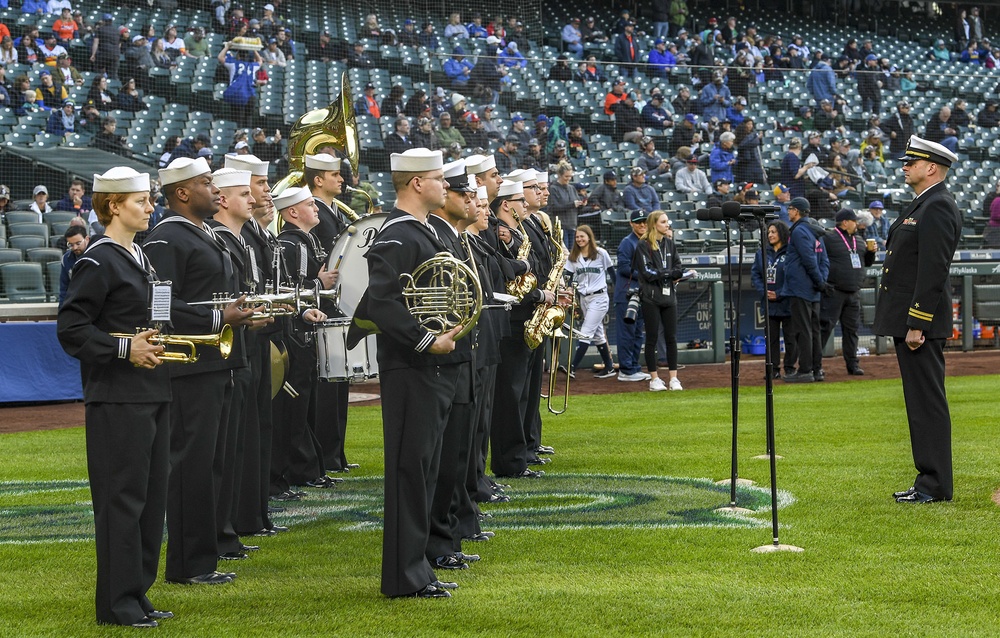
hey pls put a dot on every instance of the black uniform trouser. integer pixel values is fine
(779, 325)
(250, 511)
(413, 425)
(298, 457)
(844, 307)
(444, 537)
(331, 429)
(128, 451)
(922, 373)
(229, 461)
(532, 416)
(198, 412)
(805, 331)
(656, 317)
(480, 488)
(510, 453)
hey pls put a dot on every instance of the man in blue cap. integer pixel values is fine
(629, 332)
(806, 268)
(914, 308)
(870, 85)
(879, 229)
(458, 68)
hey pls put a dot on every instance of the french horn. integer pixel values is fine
(443, 292)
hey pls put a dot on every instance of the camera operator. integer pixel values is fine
(629, 331)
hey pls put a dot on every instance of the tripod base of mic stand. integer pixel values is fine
(766, 457)
(739, 481)
(772, 548)
(733, 509)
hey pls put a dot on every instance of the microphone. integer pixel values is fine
(703, 215)
(735, 210)
(715, 214)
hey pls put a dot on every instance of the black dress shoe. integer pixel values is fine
(265, 532)
(449, 562)
(920, 497)
(905, 492)
(211, 578)
(160, 615)
(476, 538)
(234, 556)
(335, 479)
(353, 466)
(858, 372)
(469, 558)
(322, 483)
(431, 591)
(545, 449)
(819, 375)
(271, 509)
(279, 528)
(249, 548)
(229, 575)
(498, 498)
(799, 377)
(145, 623)
(444, 585)
(537, 460)
(286, 496)
(526, 474)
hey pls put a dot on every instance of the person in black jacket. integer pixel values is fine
(185, 251)
(988, 117)
(424, 372)
(767, 279)
(628, 124)
(914, 308)
(127, 398)
(659, 267)
(870, 85)
(900, 127)
(849, 255)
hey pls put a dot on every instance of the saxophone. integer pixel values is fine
(548, 317)
(522, 284)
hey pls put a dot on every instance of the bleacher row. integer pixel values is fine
(187, 100)
(30, 257)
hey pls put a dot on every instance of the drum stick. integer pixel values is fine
(351, 230)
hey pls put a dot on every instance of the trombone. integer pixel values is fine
(223, 341)
(560, 333)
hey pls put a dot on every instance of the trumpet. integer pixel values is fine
(308, 296)
(283, 304)
(223, 341)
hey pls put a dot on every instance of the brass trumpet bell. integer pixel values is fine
(223, 341)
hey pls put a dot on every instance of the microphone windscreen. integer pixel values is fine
(702, 214)
(731, 210)
(715, 214)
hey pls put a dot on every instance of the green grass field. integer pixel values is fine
(590, 551)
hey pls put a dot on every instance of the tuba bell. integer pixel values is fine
(223, 341)
(336, 126)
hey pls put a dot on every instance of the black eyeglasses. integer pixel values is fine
(522, 200)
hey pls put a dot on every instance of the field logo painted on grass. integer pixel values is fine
(557, 501)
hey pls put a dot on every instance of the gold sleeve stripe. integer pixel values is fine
(917, 314)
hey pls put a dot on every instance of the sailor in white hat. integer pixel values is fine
(324, 180)
(128, 397)
(186, 252)
(426, 374)
(914, 308)
(484, 167)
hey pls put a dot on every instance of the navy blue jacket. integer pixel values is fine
(806, 262)
(780, 307)
(625, 277)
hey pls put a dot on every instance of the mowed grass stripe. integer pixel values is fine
(871, 566)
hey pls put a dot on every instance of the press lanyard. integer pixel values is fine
(855, 259)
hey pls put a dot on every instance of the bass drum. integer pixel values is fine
(335, 362)
(348, 255)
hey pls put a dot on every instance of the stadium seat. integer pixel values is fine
(53, 270)
(24, 242)
(23, 282)
(10, 255)
(44, 255)
(21, 217)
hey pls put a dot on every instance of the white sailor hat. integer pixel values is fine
(183, 169)
(542, 177)
(323, 162)
(250, 163)
(225, 177)
(481, 192)
(456, 178)
(510, 188)
(416, 160)
(920, 149)
(476, 164)
(121, 179)
(473, 184)
(291, 197)
(523, 175)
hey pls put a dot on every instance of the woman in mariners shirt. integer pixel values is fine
(588, 264)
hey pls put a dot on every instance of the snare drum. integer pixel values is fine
(335, 361)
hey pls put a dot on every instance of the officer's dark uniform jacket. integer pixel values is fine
(109, 292)
(915, 292)
(402, 244)
(176, 247)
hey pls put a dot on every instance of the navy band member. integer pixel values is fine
(188, 253)
(251, 515)
(914, 308)
(323, 178)
(127, 397)
(299, 456)
(419, 370)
